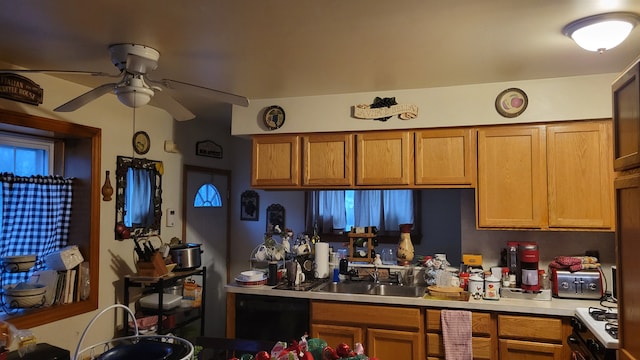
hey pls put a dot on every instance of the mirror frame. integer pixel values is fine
(124, 163)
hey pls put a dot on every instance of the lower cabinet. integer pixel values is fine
(483, 330)
(530, 337)
(386, 332)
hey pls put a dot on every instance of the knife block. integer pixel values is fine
(154, 268)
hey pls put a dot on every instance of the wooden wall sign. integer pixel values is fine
(383, 109)
(208, 148)
(19, 88)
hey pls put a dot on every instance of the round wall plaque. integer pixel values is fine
(273, 117)
(511, 102)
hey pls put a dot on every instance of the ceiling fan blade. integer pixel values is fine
(172, 106)
(85, 98)
(61, 72)
(204, 91)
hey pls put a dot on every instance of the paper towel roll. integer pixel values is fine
(322, 260)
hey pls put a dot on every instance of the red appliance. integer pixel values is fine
(529, 258)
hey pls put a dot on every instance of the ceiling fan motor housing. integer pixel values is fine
(134, 58)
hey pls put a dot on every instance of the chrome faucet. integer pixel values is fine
(375, 275)
(399, 277)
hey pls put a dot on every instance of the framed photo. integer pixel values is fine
(249, 206)
(275, 216)
(511, 102)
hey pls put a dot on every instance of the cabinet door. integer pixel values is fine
(518, 350)
(394, 344)
(276, 161)
(626, 119)
(445, 157)
(327, 160)
(627, 248)
(511, 190)
(336, 334)
(580, 175)
(384, 158)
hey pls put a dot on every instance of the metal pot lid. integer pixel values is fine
(185, 246)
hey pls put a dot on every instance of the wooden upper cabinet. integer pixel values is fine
(511, 189)
(327, 160)
(553, 176)
(580, 175)
(626, 119)
(384, 158)
(276, 161)
(445, 157)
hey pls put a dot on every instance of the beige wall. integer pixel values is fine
(570, 98)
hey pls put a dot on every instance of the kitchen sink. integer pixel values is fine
(397, 290)
(349, 287)
(369, 288)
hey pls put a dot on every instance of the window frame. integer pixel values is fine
(383, 237)
(77, 154)
(30, 142)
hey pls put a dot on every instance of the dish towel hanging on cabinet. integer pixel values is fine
(456, 334)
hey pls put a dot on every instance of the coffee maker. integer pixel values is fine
(529, 257)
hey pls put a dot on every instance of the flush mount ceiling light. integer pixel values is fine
(601, 32)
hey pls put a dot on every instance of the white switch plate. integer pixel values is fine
(171, 217)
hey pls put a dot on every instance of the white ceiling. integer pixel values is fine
(289, 48)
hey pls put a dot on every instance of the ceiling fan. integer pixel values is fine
(135, 88)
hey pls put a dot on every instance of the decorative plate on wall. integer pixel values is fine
(273, 117)
(511, 102)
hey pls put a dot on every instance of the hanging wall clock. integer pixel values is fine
(141, 142)
(273, 117)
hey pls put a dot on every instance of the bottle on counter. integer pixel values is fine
(506, 282)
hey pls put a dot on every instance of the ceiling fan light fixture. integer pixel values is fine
(133, 96)
(601, 32)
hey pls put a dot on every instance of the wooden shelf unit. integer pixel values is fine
(353, 237)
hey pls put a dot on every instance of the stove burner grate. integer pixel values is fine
(600, 314)
(612, 329)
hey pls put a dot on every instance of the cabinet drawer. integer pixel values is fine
(481, 346)
(366, 315)
(516, 349)
(530, 327)
(480, 322)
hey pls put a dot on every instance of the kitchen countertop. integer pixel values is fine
(555, 307)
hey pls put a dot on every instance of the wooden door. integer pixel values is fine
(275, 161)
(580, 175)
(511, 189)
(336, 334)
(384, 158)
(327, 160)
(445, 157)
(627, 250)
(529, 350)
(394, 344)
(626, 118)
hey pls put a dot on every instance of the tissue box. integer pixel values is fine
(64, 259)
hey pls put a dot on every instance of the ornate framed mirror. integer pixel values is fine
(138, 197)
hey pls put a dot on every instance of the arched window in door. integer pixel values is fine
(207, 196)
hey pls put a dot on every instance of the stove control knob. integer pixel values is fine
(577, 325)
(564, 285)
(593, 345)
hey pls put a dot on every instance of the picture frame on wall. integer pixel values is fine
(275, 216)
(249, 206)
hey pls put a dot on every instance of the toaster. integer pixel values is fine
(583, 284)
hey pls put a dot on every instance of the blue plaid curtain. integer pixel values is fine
(36, 213)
